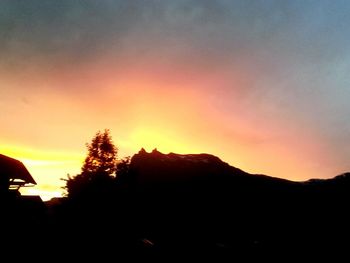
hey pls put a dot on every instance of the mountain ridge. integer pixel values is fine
(175, 203)
(144, 158)
(199, 192)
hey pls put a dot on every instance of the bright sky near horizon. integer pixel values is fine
(264, 85)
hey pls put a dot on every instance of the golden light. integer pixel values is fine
(165, 141)
(45, 194)
(46, 167)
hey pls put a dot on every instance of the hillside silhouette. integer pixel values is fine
(172, 204)
(199, 201)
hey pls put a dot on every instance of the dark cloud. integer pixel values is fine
(80, 30)
(291, 47)
(276, 40)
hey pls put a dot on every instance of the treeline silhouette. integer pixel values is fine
(168, 205)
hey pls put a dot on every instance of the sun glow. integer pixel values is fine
(164, 141)
(45, 194)
(37, 156)
(45, 167)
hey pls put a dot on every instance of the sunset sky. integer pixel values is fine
(264, 85)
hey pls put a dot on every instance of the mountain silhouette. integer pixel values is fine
(181, 204)
(197, 200)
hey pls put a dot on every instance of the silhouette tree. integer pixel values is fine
(98, 169)
(102, 155)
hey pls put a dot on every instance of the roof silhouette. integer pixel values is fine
(14, 170)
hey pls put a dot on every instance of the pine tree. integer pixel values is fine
(102, 155)
(98, 169)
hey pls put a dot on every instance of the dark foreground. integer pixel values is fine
(175, 207)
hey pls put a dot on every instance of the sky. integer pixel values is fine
(263, 85)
